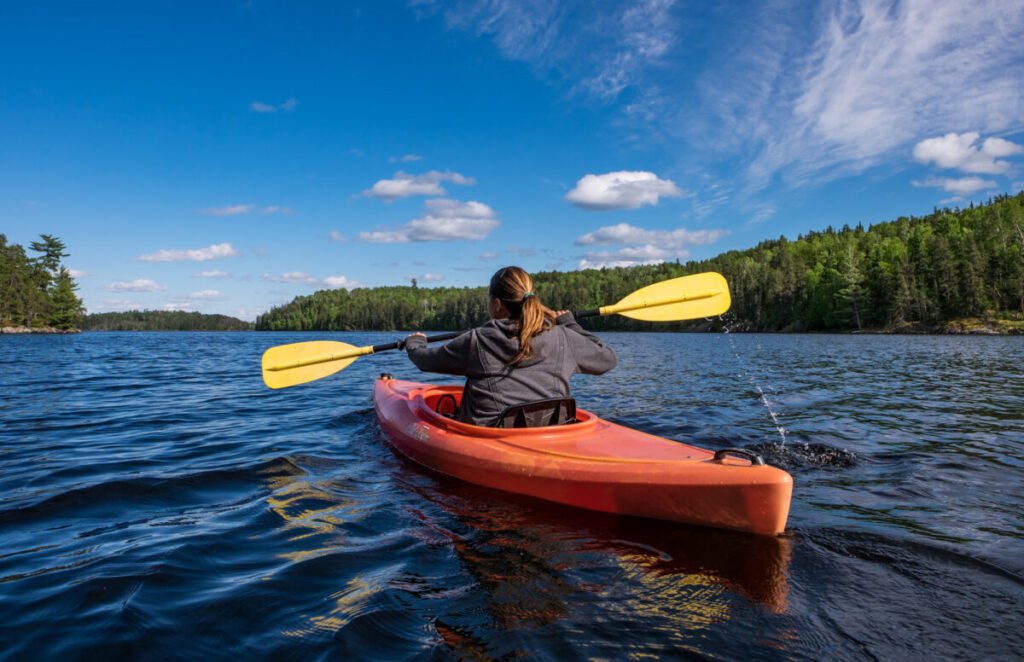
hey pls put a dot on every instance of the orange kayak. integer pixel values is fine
(590, 464)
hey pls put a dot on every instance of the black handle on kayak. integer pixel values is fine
(593, 312)
(754, 458)
(400, 344)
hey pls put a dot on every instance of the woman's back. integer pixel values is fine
(494, 383)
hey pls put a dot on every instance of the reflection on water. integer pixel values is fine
(536, 563)
(201, 516)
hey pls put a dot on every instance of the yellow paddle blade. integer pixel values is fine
(301, 362)
(685, 298)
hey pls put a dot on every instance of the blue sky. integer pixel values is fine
(227, 157)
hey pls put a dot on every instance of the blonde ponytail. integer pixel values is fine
(514, 288)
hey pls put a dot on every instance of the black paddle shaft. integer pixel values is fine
(400, 344)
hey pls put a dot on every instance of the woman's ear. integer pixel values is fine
(497, 309)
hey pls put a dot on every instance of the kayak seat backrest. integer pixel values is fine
(447, 405)
(541, 413)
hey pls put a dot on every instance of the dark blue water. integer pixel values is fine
(158, 502)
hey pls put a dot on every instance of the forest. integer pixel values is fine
(162, 320)
(913, 273)
(37, 291)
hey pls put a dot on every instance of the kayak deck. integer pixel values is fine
(591, 464)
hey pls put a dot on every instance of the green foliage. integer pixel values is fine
(162, 320)
(66, 310)
(37, 291)
(947, 265)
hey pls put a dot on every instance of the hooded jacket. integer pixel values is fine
(492, 385)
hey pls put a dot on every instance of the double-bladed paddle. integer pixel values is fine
(684, 298)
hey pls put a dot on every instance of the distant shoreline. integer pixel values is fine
(959, 327)
(49, 330)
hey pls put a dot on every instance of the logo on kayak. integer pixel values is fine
(419, 431)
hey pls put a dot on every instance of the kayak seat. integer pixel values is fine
(447, 405)
(540, 413)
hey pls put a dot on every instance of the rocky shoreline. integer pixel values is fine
(41, 329)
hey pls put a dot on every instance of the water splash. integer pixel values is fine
(746, 373)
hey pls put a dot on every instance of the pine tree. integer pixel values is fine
(52, 250)
(67, 308)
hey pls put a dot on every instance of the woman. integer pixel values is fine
(526, 353)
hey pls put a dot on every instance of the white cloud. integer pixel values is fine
(293, 277)
(287, 106)
(337, 236)
(206, 294)
(404, 185)
(229, 210)
(118, 305)
(179, 307)
(644, 246)
(138, 285)
(760, 213)
(446, 220)
(405, 158)
(240, 210)
(601, 49)
(630, 257)
(879, 75)
(75, 273)
(623, 233)
(624, 189)
(426, 278)
(960, 152)
(341, 282)
(213, 273)
(303, 278)
(958, 187)
(211, 252)
(487, 256)
(250, 314)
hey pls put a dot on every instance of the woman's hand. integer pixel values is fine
(404, 344)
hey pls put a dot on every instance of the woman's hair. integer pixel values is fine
(514, 288)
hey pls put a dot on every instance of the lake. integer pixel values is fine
(157, 501)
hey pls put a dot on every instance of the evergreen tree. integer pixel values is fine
(52, 250)
(28, 285)
(67, 308)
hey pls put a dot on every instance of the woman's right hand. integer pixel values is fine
(405, 343)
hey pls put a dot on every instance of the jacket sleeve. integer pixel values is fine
(451, 358)
(592, 356)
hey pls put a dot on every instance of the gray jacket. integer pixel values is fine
(482, 356)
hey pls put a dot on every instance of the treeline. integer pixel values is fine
(162, 320)
(950, 264)
(37, 291)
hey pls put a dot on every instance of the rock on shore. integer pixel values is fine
(41, 329)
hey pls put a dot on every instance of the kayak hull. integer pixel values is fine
(593, 464)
